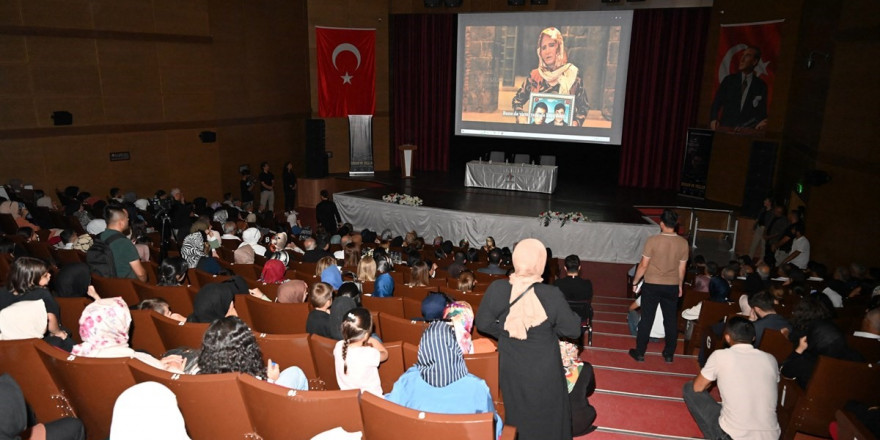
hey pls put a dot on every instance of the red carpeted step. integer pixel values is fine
(609, 316)
(653, 361)
(637, 381)
(614, 327)
(606, 307)
(612, 300)
(664, 417)
(606, 434)
(625, 342)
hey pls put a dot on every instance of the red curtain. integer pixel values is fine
(666, 56)
(423, 87)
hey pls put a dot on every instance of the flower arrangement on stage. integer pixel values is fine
(402, 199)
(562, 217)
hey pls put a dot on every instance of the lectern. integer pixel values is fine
(407, 152)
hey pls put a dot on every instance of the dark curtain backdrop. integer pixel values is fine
(423, 87)
(662, 94)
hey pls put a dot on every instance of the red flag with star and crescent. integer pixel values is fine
(346, 71)
(733, 41)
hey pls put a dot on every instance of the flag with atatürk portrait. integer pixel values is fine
(346, 71)
(733, 41)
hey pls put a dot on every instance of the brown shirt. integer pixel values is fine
(666, 252)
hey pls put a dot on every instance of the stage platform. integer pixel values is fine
(615, 233)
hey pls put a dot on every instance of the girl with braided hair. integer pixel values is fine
(359, 354)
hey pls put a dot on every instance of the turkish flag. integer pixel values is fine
(733, 41)
(346, 71)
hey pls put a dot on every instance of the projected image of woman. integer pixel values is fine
(554, 75)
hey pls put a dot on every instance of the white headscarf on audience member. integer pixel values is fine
(251, 237)
(147, 410)
(23, 320)
(96, 226)
(529, 258)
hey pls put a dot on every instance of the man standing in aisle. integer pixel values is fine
(663, 264)
(267, 188)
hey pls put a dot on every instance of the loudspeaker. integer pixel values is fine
(432, 3)
(208, 137)
(516, 2)
(759, 180)
(62, 118)
(539, 2)
(452, 3)
(316, 154)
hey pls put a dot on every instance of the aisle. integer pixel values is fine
(635, 400)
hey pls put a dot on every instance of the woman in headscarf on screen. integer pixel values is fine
(528, 318)
(554, 75)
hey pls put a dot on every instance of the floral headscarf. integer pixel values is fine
(461, 314)
(103, 324)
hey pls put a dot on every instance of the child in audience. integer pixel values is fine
(161, 307)
(358, 355)
(321, 297)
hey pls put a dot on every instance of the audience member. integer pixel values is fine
(461, 315)
(366, 269)
(581, 384)
(172, 271)
(327, 214)
(439, 382)
(74, 280)
(746, 378)
(17, 418)
(321, 298)
(466, 281)
(151, 402)
(762, 304)
(634, 317)
(572, 285)
(161, 307)
(384, 285)
(458, 264)
(27, 281)
(419, 275)
(126, 260)
(358, 354)
(494, 267)
(217, 300)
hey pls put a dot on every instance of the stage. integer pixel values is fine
(614, 234)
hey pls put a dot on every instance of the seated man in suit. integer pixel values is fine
(572, 285)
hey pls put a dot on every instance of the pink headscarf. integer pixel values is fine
(104, 324)
(529, 259)
(293, 291)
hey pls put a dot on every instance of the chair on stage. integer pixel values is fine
(521, 158)
(496, 156)
(548, 160)
(91, 385)
(278, 412)
(211, 404)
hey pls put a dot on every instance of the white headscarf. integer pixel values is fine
(147, 410)
(142, 204)
(23, 320)
(96, 226)
(251, 237)
(529, 258)
(564, 73)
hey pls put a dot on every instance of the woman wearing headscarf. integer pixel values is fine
(553, 75)
(528, 318)
(251, 237)
(103, 328)
(289, 291)
(581, 384)
(147, 410)
(461, 315)
(193, 248)
(14, 417)
(96, 226)
(439, 382)
(216, 300)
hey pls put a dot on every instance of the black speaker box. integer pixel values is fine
(316, 154)
(208, 137)
(62, 118)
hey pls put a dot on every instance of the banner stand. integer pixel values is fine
(695, 169)
(360, 128)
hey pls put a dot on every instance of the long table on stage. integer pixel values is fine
(516, 177)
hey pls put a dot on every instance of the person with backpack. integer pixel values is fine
(113, 255)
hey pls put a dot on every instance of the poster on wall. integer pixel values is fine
(346, 71)
(748, 56)
(695, 169)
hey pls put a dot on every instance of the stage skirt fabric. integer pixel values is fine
(591, 241)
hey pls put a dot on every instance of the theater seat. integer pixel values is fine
(90, 385)
(211, 404)
(290, 350)
(179, 298)
(322, 353)
(389, 421)
(176, 334)
(390, 306)
(392, 368)
(400, 329)
(113, 287)
(279, 413)
(20, 360)
(277, 318)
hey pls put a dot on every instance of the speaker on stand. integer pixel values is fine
(316, 154)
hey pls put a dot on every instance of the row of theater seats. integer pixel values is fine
(227, 406)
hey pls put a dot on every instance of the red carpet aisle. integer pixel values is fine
(635, 400)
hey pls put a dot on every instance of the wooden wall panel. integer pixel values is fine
(56, 13)
(124, 15)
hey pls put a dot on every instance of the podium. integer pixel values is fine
(407, 160)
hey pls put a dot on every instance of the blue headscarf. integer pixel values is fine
(440, 361)
(332, 276)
